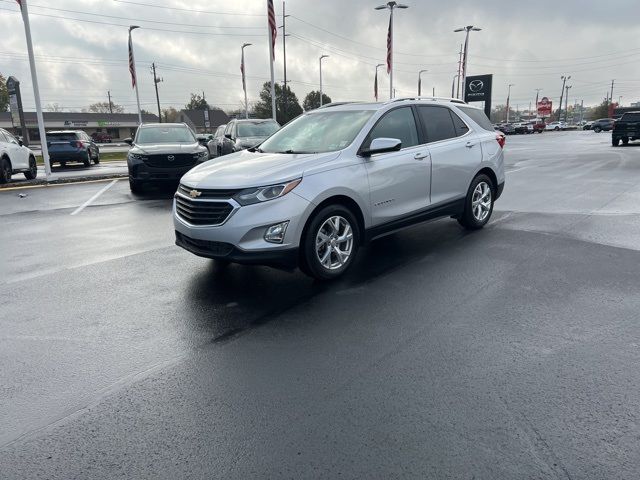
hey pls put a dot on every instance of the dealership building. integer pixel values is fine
(117, 125)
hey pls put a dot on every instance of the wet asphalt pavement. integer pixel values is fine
(512, 352)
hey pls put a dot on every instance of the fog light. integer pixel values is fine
(275, 233)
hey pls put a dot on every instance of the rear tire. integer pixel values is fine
(615, 141)
(330, 243)
(597, 129)
(33, 169)
(478, 204)
(5, 170)
(625, 141)
(87, 161)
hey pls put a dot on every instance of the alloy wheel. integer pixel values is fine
(334, 242)
(481, 201)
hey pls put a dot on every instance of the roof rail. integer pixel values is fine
(336, 104)
(448, 99)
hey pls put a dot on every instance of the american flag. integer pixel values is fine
(375, 86)
(389, 48)
(132, 65)
(272, 26)
(19, 3)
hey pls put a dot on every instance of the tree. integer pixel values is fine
(197, 102)
(4, 94)
(170, 115)
(599, 111)
(312, 100)
(103, 107)
(499, 114)
(54, 107)
(284, 112)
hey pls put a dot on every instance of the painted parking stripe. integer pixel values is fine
(92, 199)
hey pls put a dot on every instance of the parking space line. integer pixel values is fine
(88, 202)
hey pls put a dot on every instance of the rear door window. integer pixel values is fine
(437, 123)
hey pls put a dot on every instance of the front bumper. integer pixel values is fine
(240, 237)
(141, 172)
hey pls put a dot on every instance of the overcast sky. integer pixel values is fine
(527, 43)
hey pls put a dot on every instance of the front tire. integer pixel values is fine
(615, 141)
(478, 204)
(5, 170)
(597, 129)
(625, 141)
(33, 169)
(135, 187)
(330, 243)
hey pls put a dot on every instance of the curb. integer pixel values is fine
(59, 181)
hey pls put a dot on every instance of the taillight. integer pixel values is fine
(501, 139)
(79, 144)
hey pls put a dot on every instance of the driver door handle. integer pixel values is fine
(469, 144)
(421, 155)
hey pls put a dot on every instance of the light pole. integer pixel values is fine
(453, 86)
(320, 62)
(508, 99)
(566, 104)
(564, 81)
(156, 80)
(375, 82)
(467, 29)
(244, 82)
(391, 6)
(420, 81)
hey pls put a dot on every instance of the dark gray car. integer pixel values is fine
(243, 134)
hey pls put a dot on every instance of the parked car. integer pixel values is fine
(338, 176)
(537, 126)
(241, 134)
(626, 128)
(218, 138)
(506, 128)
(206, 139)
(101, 137)
(601, 124)
(15, 158)
(556, 126)
(162, 153)
(587, 125)
(72, 146)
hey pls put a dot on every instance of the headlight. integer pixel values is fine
(200, 156)
(250, 196)
(137, 156)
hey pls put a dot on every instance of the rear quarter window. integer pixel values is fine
(479, 117)
(631, 117)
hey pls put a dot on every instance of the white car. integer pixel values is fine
(15, 158)
(556, 126)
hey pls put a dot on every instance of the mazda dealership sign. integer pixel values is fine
(478, 89)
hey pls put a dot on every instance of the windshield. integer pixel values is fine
(165, 135)
(318, 132)
(258, 129)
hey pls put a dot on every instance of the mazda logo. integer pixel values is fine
(171, 158)
(476, 85)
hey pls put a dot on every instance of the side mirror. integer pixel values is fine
(20, 142)
(382, 145)
(128, 141)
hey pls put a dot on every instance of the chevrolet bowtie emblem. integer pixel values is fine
(195, 193)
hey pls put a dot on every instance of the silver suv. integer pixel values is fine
(339, 176)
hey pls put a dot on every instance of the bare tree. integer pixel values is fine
(103, 107)
(54, 107)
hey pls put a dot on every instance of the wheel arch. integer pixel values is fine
(345, 201)
(488, 171)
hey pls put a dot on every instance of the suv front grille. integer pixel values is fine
(171, 160)
(208, 193)
(202, 213)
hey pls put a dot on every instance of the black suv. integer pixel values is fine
(601, 124)
(162, 153)
(626, 128)
(242, 134)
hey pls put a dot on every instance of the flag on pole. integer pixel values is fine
(272, 26)
(132, 65)
(375, 86)
(389, 48)
(19, 3)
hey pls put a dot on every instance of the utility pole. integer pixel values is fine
(537, 95)
(468, 28)
(564, 81)
(566, 104)
(433, 93)
(581, 111)
(508, 100)
(157, 80)
(459, 73)
(610, 107)
(110, 104)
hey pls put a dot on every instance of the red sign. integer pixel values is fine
(544, 107)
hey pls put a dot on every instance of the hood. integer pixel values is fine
(162, 148)
(252, 169)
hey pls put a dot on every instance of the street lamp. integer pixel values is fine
(508, 99)
(420, 81)
(132, 65)
(390, 6)
(453, 85)
(244, 82)
(564, 81)
(566, 104)
(320, 61)
(375, 86)
(468, 28)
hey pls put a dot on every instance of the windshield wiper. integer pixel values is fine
(255, 149)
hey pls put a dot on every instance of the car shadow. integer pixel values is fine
(229, 299)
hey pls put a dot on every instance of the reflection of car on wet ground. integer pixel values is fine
(241, 134)
(162, 153)
(15, 158)
(72, 146)
(335, 177)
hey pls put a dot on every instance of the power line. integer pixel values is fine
(190, 9)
